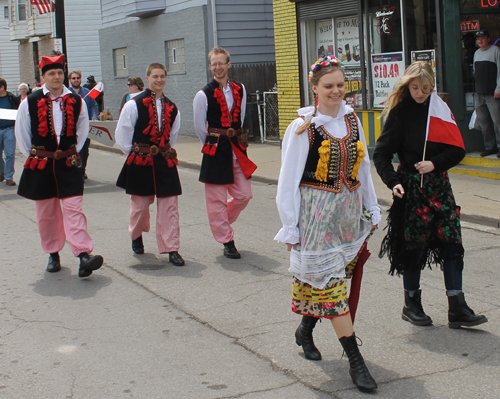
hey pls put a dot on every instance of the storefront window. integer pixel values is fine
(393, 45)
(475, 16)
(338, 36)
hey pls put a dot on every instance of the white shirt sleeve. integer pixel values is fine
(243, 104)
(200, 107)
(124, 132)
(23, 129)
(295, 149)
(365, 177)
(174, 132)
(82, 127)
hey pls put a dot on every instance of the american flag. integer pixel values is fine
(44, 6)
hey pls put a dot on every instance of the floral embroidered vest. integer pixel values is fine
(342, 158)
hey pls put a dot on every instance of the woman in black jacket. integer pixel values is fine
(424, 220)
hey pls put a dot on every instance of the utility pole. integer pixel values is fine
(61, 33)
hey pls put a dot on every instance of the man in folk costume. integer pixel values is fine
(51, 127)
(219, 112)
(146, 132)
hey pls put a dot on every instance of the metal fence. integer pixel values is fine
(271, 117)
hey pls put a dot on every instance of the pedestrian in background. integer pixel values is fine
(51, 126)
(328, 207)
(146, 132)
(23, 90)
(487, 97)
(91, 83)
(218, 113)
(75, 86)
(7, 136)
(135, 85)
(424, 220)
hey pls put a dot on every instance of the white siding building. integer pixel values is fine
(34, 34)
(9, 53)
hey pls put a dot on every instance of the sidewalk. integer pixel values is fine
(479, 197)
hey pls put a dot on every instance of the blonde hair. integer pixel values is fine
(218, 50)
(417, 70)
(314, 81)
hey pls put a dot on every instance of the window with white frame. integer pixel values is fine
(21, 10)
(174, 50)
(120, 62)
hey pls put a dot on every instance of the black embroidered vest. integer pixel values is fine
(342, 158)
(214, 112)
(49, 142)
(143, 117)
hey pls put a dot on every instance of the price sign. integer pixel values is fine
(386, 69)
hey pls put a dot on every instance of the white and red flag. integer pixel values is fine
(441, 125)
(44, 6)
(98, 88)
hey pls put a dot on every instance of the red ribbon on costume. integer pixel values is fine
(357, 276)
(43, 126)
(247, 166)
(221, 100)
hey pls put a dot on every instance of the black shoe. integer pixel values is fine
(54, 264)
(2, 177)
(89, 263)
(138, 246)
(413, 310)
(230, 251)
(304, 338)
(175, 258)
(488, 152)
(460, 315)
(357, 368)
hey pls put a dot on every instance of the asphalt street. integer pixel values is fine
(217, 328)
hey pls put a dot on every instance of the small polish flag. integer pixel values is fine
(98, 88)
(441, 125)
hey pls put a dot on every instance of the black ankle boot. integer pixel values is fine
(138, 246)
(460, 315)
(413, 310)
(357, 368)
(304, 337)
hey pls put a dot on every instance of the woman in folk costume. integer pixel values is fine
(424, 220)
(328, 207)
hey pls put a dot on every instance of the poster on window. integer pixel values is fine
(386, 69)
(428, 56)
(347, 34)
(353, 96)
(324, 35)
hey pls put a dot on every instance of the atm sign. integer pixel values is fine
(469, 26)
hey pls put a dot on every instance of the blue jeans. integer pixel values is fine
(8, 145)
(452, 270)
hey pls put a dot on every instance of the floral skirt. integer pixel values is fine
(423, 227)
(329, 302)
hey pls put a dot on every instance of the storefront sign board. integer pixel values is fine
(347, 34)
(428, 56)
(386, 69)
(324, 37)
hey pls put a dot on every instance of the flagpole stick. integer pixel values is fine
(423, 159)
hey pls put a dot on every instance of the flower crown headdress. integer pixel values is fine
(327, 61)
